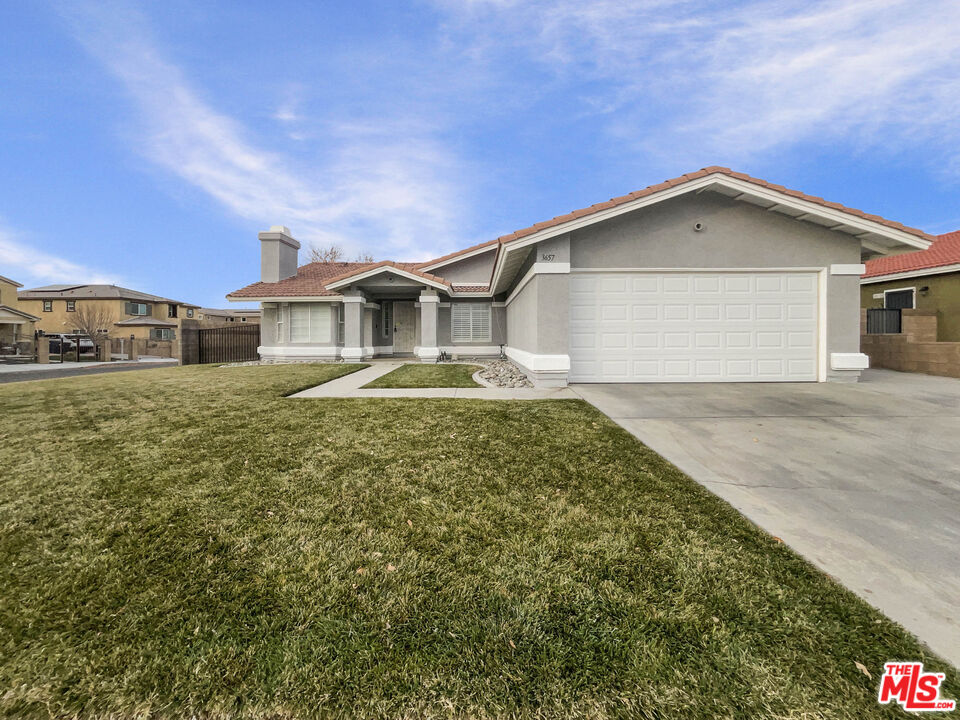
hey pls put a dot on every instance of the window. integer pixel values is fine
(71, 305)
(48, 305)
(161, 334)
(309, 322)
(898, 299)
(386, 318)
(470, 322)
(340, 325)
(243, 319)
(133, 308)
(190, 312)
(171, 311)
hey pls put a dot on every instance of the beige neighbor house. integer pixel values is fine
(714, 276)
(16, 324)
(213, 317)
(151, 321)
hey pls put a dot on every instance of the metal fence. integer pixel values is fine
(883, 321)
(220, 345)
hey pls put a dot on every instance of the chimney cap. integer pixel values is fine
(281, 233)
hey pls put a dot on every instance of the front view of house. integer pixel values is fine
(711, 277)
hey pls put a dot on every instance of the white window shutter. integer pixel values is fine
(299, 323)
(319, 322)
(461, 320)
(481, 322)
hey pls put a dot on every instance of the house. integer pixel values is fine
(212, 317)
(16, 325)
(129, 313)
(924, 280)
(714, 276)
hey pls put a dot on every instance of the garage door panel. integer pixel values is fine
(688, 327)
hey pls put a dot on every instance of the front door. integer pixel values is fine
(404, 326)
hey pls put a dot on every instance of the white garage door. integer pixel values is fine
(693, 327)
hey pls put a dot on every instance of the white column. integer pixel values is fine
(429, 307)
(353, 328)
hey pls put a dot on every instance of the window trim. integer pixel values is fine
(473, 334)
(47, 305)
(913, 297)
(71, 305)
(341, 325)
(189, 312)
(386, 318)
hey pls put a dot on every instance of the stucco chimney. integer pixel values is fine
(278, 254)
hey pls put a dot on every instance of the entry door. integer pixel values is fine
(693, 327)
(404, 326)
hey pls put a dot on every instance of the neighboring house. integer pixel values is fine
(134, 313)
(213, 317)
(713, 276)
(924, 280)
(16, 324)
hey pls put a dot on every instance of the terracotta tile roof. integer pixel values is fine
(470, 288)
(713, 169)
(406, 267)
(310, 281)
(944, 251)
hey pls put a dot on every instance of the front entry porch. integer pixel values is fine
(383, 322)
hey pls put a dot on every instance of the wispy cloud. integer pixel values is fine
(30, 266)
(726, 81)
(374, 190)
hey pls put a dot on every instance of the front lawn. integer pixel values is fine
(186, 542)
(433, 375)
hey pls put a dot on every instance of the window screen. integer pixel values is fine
(470, 322)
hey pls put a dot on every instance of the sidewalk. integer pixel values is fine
(351, 386)
(37, 371)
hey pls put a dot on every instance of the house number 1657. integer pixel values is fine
(547, 258)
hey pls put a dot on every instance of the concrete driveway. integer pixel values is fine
(862, 479)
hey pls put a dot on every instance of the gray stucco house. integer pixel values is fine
(714, 276)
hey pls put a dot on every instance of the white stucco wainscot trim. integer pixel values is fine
(849, 361)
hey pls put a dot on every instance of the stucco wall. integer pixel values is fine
(472, 270)
(734, 235)
(522, 316)
(498, 324)
(943, 297)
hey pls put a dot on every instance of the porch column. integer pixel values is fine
(353, 328)
(429, 306)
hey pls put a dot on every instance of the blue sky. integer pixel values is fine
(147, 143)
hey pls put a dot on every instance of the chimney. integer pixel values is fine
(278, 254)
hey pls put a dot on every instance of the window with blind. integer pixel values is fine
(309, 322)
(470, 322)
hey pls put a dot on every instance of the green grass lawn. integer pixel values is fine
(422, 375)
(185, 541)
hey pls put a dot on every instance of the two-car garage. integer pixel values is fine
(694, 326)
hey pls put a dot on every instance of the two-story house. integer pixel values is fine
(16, 325)
(127, 313)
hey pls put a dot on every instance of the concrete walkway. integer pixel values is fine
(351, 386)
(863, 479)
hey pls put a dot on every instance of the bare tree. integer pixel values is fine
(328, 254)
(335, 254)
(95, 320)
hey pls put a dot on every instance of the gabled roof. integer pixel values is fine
(874, 232)
(409, 269)
(10, 282)
(93, 292)
(944, 252)
(310, 281)
(19, 313)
